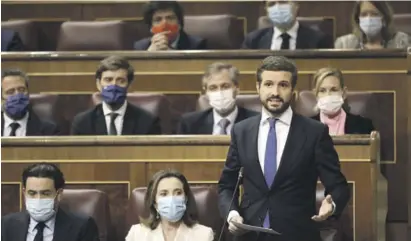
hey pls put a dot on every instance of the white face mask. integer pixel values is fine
(330, 104)
(222, 101)
(371, 26)
(40, 210)
(281, 15)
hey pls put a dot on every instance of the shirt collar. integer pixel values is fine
(292, 31)
(49, 224)
(231, 117)
(284, 118)
(120, 111)
(8, 120)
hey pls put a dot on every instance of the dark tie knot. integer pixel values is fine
(14, 125)
(272, 122)
(113, 115)
(40, 226)
(285, 36)
(224, 123)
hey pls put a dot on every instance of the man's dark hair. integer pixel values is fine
(46, 170)
(15, 72)
(115, 63)
(278, 63)
(154, 6)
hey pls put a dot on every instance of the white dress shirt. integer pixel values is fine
(277, 40)
(118, 122)
(21, 131)
(217, 118)
(282, 128)
(48, 231)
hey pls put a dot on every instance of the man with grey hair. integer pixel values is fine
(220, 84)
(17, 116)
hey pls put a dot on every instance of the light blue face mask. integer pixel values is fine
(281, 15)
(171, 208)
(371, 26)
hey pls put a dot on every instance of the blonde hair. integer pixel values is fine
(323, 73)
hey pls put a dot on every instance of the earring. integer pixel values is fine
(157, 216)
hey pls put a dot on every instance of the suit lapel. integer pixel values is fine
(252, 151)
(33, 125)
(99, 121)
(293, 145)
(302, 41)
(21, 226)
(241, 115)
(128, 122)
(184, 41)
(207, 126)
(62, 227)
(266, 39)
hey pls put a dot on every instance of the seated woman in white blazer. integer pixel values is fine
(173, 212)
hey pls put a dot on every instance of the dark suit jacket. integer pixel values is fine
(68, 227)
(186, 42)
(355, 124)
(202, 122)
(136, 122)
(308, 154)
(10, 41)
(307, 38)
(36, 126)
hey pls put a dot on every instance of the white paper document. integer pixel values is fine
(255, 228)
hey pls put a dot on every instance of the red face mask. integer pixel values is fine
(173, 30)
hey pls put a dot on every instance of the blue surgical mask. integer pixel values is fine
(16, 106)
(114, 94)
(371, 26)
(171, 208)
(39, 209)
(281, 15)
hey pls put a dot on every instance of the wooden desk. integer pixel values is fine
(181, 71)
(118, 165)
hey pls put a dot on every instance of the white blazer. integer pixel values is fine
(197, 232)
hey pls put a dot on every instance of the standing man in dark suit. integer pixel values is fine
(287, 32)
(115, 116)
(43, 220)
(11, 41)
(17, 116)
(220, 83)
(166, 22)
(283, 155)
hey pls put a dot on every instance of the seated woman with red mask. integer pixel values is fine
(332, 107)
(166, 22)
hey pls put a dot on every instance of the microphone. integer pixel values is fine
(240, 176)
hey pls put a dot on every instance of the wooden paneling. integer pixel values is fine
(249, 10)
(106, 163)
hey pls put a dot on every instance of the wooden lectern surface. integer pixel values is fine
(117, 165)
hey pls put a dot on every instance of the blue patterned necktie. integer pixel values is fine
(270, 161)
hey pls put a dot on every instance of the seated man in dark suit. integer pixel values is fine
(220, 82)
(43, 220)
(287, 32)
(17, 116)
(11, 41)
(166, 22)
(115, 116)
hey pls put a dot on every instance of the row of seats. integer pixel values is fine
(63, 108)
(95, 203)
(227, 33)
